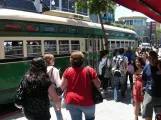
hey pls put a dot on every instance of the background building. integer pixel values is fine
(64, 5)
(108, 16)
(60, 5)
(67, 6)
(23, 5)
(139, 24)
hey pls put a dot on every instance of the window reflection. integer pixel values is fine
(126, 44)
(75, 45)
(13, 49)
(112, 45)
(64, 47)
(50, 46)
(33, 48)
(118, 44)
(68, 6)
(122, 44)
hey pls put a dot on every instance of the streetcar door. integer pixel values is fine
(91, 47)
(95, 53)
(89, 51)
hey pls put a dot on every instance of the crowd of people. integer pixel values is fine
(41, 83)
(143, 68)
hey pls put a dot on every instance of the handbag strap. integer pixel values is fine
(50, 73)
(88, 73)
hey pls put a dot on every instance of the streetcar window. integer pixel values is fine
(86, 44)
(94, 45)
(130, 44)
(64, 47)
(133, 44)
(112, 34)
(109, 44)
(34, 48)
(126, 44)
(117, 34)
(74, 30)
(112, 45)
(75, 45)
(90, 42)
(98, 45)
(126, 34)
(13, 49)
(63, 30)
(122, 34)
(50, 46)
(122, 44)
(118, 44)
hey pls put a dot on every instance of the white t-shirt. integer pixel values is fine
(55, 75)
(102, 63)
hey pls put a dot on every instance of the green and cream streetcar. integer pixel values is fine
(24, 35)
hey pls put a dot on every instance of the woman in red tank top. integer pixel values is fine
(138, 85)
(76, 81)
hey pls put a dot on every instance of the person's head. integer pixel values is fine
(115, 52)
(38, 70)
(49, 59)
(38, 64)
(155, 46)
(126, 50)
(77, 59)
(103, 54)
(143, 50)
(138, 49)
(147, 49)
(129, 49)
(138, 63)
(144, 56)
(121, 51)
(153, 58)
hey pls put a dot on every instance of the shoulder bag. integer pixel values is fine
(96, 95)
(20, 97)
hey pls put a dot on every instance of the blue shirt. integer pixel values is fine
(130, 56)
(152, 77)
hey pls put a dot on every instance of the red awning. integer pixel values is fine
(150, 8)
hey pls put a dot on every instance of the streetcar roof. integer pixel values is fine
(10, 14)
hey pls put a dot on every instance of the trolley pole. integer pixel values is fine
(151, 33)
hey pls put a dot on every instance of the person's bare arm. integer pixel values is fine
(52, 93)
(64, 83)
(97, 82)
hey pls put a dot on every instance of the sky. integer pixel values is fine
(124, 12)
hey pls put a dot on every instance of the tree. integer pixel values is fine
(158, 33)
(96, 7)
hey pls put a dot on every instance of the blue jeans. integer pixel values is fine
(119, 82)
(76, 111)
(59, 115)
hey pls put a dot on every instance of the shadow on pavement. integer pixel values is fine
(126, 100)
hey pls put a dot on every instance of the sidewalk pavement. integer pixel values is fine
(108, 110)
